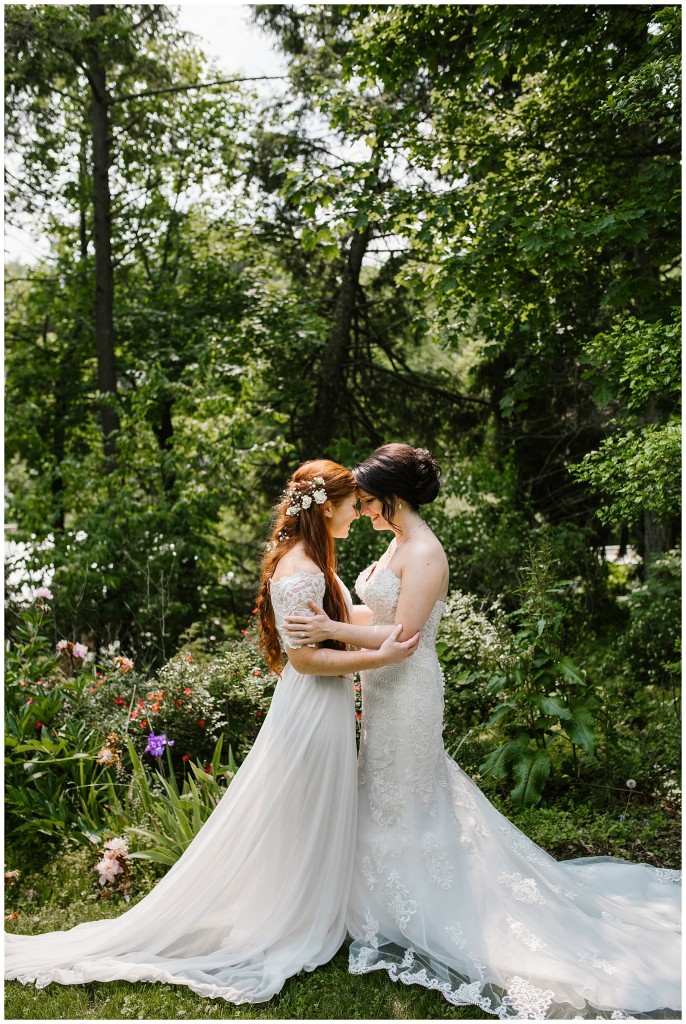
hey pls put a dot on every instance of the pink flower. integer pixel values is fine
(61, 645)
(108, 868)
(43, 592)
(80, 651)
(257, 671)
(118, 847)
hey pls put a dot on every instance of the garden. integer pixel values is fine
(453, 227)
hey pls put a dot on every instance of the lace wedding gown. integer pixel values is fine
(261, 891)
(448, 894)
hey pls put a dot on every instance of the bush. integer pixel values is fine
(471, 640)
(544, 697)
(652, 639)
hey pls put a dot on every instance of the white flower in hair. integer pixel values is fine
(301, 494)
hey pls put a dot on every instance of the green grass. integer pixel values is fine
(329, 993)
(62, 891)
(65, 893)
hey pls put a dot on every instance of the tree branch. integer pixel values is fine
(193, 85)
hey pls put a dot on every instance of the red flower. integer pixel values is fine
(144, 724)
(208, 768)
(259, 714)
(29, 700)
(189, 659)
(39, 725)
(119, 700)
(244, 632)
(201, 722)
(25, 683)
(188, 690)
(186, 757)
(178, 703)
(257, 671)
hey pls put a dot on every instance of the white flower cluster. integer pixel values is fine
(302, 499)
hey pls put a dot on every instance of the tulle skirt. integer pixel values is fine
(261, 891)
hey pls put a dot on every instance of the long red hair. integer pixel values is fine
(309, 527)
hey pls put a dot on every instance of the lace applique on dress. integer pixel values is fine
(591, 959)
(531, 1003)
(456, 933)
(290, 595)
(529, 938)
(397, 901)
(435, 854)
(523, 889)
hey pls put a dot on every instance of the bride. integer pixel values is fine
(446, 892)
(261, 891)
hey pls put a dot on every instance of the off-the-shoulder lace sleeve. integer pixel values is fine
(290, 595)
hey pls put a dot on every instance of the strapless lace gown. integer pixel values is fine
(448, 894)
(260, 893)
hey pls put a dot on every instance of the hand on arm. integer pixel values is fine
(308, 629)
(327, 662)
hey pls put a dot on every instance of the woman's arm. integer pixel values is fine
(360, 615)
(424, 578)
(324, 661)
(309, 629)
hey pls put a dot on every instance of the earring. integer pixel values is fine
(400, 504)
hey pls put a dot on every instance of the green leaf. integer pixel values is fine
(499, 762)
(554, 706)
(580, 728)
(531, 771)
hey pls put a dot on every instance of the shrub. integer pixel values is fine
(652, 639)
(543, 696)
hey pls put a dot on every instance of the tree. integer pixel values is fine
(637, 468)
(549, 140)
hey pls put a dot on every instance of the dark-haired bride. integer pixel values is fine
(446, 892)
(261, 891)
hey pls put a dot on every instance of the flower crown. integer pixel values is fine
(313, 490)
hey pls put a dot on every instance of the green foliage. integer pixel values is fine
(637, 469)
(543, 695)
(54, 784)
(161, 818)
(651, 642)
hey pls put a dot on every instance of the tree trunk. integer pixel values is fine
(657, 538)
(102, 239)
(329, 386)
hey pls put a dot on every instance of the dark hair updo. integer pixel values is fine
(399, 471)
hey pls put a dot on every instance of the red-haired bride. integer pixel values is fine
(262, 890)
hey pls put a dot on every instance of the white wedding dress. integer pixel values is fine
(448, 894)
(261, 891)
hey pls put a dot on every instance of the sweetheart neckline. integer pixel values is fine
(375, 570)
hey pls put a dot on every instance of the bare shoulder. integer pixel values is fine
(295, 561)
(427, 549)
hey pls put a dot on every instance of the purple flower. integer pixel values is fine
(156, 744)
